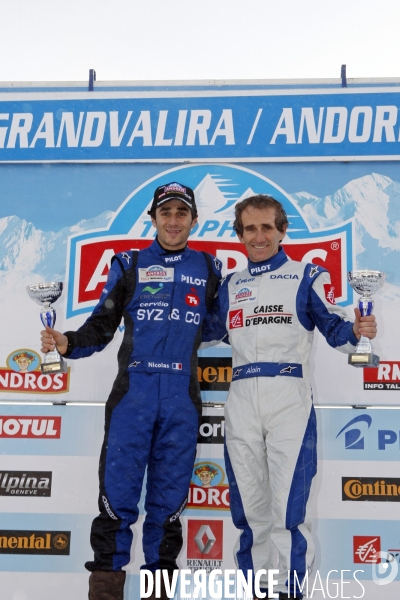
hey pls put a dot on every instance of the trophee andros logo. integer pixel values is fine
(217, 189)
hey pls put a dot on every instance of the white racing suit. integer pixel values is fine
(270, 311)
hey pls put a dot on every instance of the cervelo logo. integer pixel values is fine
(354, 433)
(30, 427)
(91, 252)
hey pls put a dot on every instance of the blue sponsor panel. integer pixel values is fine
(51, 430)
(359, 545)
(34, 542)
(359, 435)
(202, 125)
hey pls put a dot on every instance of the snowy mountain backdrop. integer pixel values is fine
(373, 201)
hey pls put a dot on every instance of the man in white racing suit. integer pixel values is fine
(270, 311)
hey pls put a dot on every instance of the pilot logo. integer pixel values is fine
(353, 436)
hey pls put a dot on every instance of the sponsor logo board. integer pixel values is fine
(211, 430)
(358, 434)
(385, 377)
(371, 489)
(208, 489)
(205, 544)
(13, 541)
(23, 375)
(30, 427)
(366, 549)
(25, 483)
(90, 253)
(236, 318)
(214, 373)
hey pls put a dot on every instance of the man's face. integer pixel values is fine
(260, 235)
(173, 223)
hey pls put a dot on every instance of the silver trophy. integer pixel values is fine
(45, 294)
(366, 283)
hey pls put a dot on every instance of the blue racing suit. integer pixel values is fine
(152, 413)
(270, 311)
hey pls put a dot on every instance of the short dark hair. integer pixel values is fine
(260, 201)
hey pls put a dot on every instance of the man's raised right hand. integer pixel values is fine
(52, 339)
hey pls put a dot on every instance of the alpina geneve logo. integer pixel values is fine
(217, 189)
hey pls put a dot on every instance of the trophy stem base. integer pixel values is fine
(363, 359)
(53, 363)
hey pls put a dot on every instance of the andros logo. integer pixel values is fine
(243, 293)
(156, 270)
(91, 254)
(353, 437)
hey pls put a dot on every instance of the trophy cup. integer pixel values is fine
(366, 283)
(45, 294)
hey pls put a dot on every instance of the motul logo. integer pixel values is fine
(30, 427)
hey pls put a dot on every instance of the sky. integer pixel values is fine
(54, 40)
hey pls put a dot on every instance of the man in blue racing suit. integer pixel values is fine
(163, 294)
(270, 311)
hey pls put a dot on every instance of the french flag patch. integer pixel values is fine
(177, 366)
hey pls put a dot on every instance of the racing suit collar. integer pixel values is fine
(166, 256)
(273, 263)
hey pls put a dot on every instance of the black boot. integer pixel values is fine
(106, 585)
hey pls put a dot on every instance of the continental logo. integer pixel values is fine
(214, 373)
(34, 542)
(371, 489)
